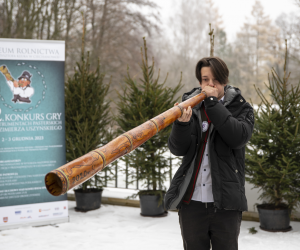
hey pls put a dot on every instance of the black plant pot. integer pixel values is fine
(87, 200)
(149, 205)
(274, 220)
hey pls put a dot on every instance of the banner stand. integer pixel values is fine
(32, 131)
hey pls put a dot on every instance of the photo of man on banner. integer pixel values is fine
(21, 89)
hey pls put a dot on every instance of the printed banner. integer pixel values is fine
(32, 129)
(34, 214)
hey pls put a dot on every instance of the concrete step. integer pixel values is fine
(247, 216)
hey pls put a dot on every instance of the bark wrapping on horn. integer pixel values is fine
(60, 180)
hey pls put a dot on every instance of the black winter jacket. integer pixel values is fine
(231, 128)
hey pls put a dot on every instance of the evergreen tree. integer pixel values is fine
(140, 102)
(273, 153)
(87, 113)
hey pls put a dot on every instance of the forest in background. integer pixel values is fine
(258, 46)
(114, 31)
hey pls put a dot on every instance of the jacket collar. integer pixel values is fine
(230, 94)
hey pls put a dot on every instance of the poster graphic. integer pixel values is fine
(20, 88)
(32, 129)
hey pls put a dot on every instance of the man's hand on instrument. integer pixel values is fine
(186, 116)
(16, 84)
(211, 91)
(214, 91)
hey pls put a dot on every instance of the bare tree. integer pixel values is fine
(114, 28)
(19, 18)
(190, 40)
(290, 30)
(38, 19)
(114, 31)
(257, 49)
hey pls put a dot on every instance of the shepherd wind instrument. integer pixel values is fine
(6, 73)
(60, 180)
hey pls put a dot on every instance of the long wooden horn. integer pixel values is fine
(60, 180)
(6, 73)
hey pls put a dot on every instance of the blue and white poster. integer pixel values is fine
(32, 130)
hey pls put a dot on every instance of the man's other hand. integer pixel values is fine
(186, 116)
(16, 84)
(211, 91)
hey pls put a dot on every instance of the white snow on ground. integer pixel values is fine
(116, 228)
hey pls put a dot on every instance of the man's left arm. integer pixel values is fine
(235, 131)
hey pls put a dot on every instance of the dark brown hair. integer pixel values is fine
(218, 67)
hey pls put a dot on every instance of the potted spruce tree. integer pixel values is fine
(141, 101)
(273, 157)
(87, 120)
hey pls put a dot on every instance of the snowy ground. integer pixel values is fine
(116, 228)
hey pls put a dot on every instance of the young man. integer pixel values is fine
(21, 89)
(209, 187)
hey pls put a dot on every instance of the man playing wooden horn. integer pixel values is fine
(21, 89)
(209, 187)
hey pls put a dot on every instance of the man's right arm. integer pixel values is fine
(180, 138)
(10, 84)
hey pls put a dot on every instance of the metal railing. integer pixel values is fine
(118, 175)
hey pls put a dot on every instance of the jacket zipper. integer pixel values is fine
(209, 161)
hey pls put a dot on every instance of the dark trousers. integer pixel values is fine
(203, 226)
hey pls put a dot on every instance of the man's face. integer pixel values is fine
(23, 82)
(209, 80)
